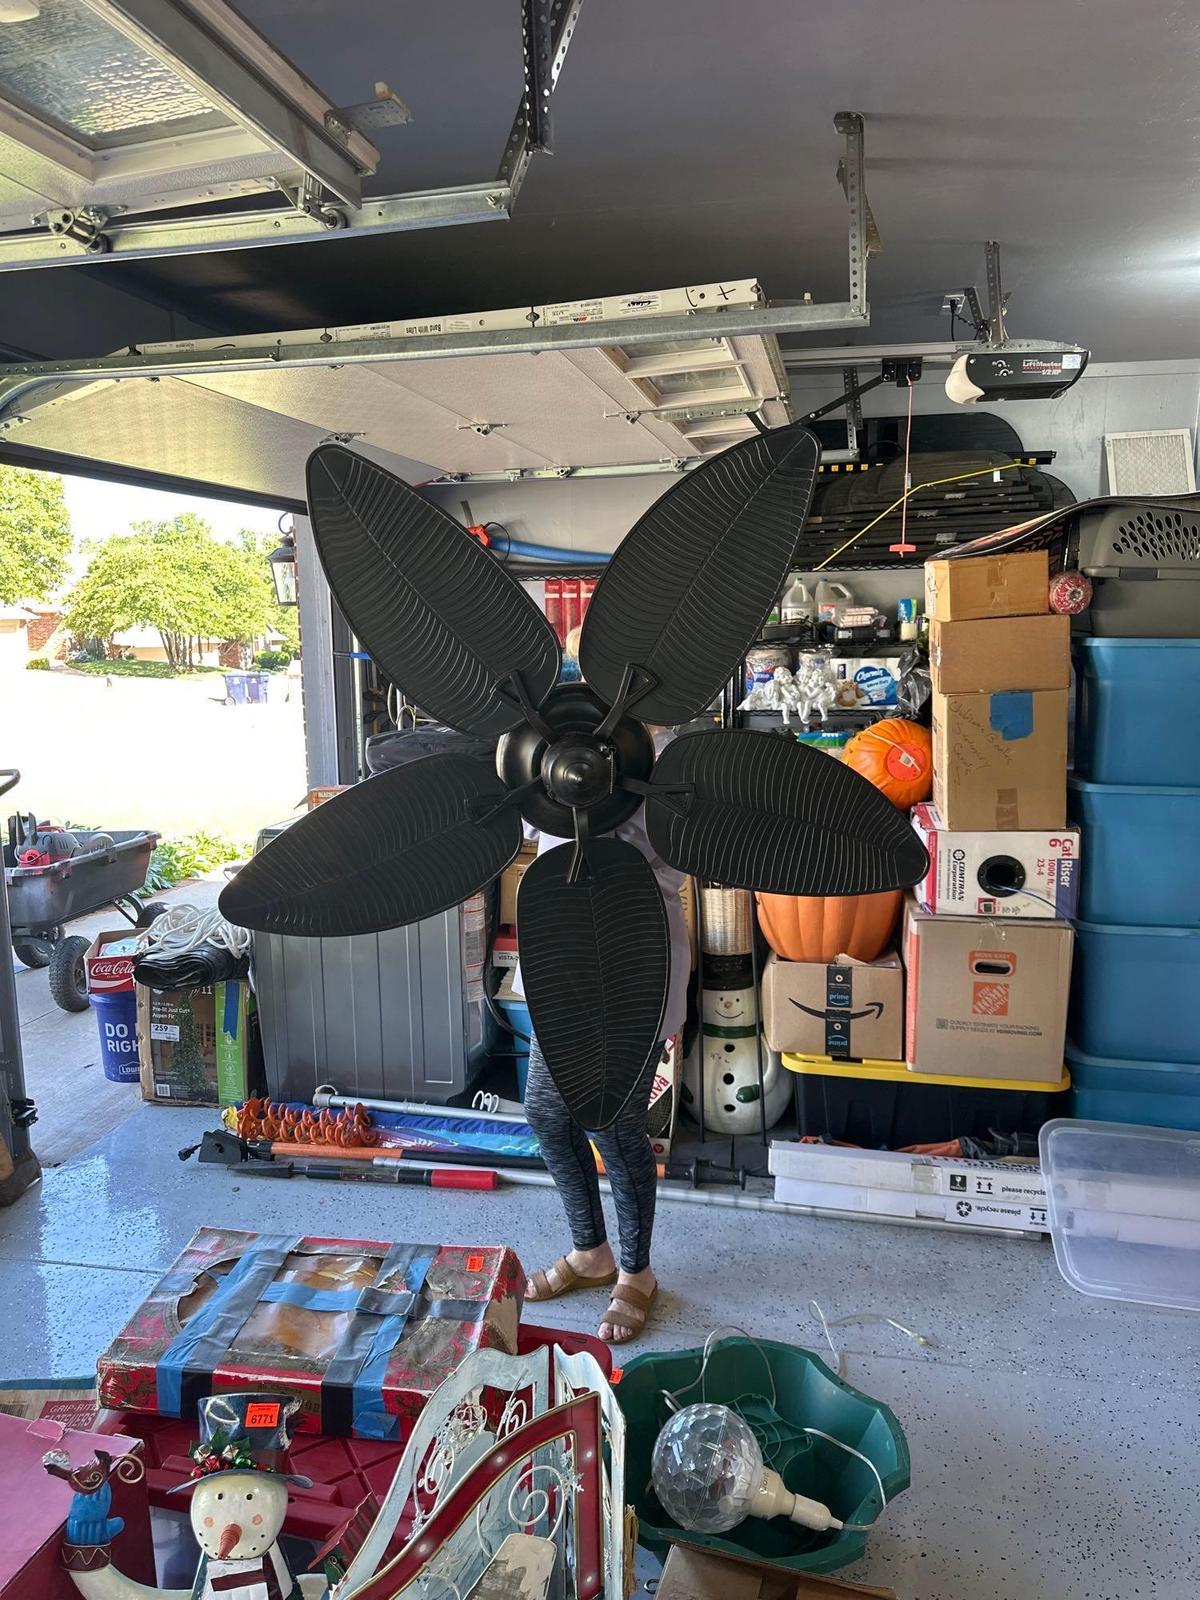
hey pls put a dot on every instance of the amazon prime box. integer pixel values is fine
(847, 1009)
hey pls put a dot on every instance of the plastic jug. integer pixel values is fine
(796, 608)
(830, 596)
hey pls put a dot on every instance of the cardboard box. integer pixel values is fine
(907, 1173)
(844, 1009)
(988, 586)
(262, 1331)
(109, 971)
(893, 1205)
(193, 1048)
(1000, 653)
(326, 791)
(510, 882)
(1000, 760)
(975, 874)
(34, 1508)
(663, 1110)
(691, 1574)
(986, 997)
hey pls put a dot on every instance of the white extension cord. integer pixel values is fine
(182, 929)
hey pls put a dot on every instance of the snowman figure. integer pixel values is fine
(729, 1062)
(239, 1502)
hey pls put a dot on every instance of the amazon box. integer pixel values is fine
(986, 997)
(988, 586)
(1000, 653)
(1000, 760)
(849, 1010)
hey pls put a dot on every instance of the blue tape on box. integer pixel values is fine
(1011, 713)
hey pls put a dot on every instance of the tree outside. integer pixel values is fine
(178, 579)
(35, 535)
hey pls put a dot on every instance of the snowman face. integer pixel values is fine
(730, 1008)
(238, 1515)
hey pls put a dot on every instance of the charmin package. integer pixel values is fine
(1014, 874)
(361, 1332)
(986, 997)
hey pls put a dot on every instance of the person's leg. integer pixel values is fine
(569, 1159)
(628, 1158)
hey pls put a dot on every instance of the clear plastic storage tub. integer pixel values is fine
(1136, 707)
(1139, 860)
(1124, 1205)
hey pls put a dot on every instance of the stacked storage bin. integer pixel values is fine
(1134, 1047)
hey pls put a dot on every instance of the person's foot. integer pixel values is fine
(629, 1306)
(597, 1263)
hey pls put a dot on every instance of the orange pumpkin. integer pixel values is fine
(804, 928)
(897, 757)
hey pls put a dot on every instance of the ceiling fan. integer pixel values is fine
(677, 607)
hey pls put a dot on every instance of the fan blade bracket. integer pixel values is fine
(636, 683)
(513, 690)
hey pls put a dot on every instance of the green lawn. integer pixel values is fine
(137, 669)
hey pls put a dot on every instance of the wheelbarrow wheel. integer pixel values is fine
(37, 953)
(152, 908)
(68, 977)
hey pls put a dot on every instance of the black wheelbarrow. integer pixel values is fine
(107, 869)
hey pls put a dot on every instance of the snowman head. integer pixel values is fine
(238, 1515)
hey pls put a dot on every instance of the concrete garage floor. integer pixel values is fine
(1054, 1439)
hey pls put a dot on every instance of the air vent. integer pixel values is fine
(1157, 461)
(1159, 536)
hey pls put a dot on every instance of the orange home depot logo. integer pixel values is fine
(989, 993)
(989, 1000)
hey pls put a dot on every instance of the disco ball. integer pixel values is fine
(706, 1468)
(709, 1475)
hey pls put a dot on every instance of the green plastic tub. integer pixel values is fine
(808, 1394)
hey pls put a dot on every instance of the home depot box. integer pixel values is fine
(844, 1009)
(1000, 760)
(510, 882)
(1000, 653)
(988, 586)
(194, 1046)
(108, 961)
(997, 874)
(986, 997)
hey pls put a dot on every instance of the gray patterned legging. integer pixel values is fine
(628, 1160)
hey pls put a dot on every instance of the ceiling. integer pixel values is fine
(695, 141)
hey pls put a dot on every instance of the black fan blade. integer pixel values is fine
(595, 960)
(440, 615)
(770, 814)
(402, 846)
(692, 582)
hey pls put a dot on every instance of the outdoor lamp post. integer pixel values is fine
(283, 570)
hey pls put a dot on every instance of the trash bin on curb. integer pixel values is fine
(116, 1017)
(246, 688)
(235, 688)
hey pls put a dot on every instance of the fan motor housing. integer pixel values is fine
(577, 771)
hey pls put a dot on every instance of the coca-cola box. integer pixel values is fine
(111, 971)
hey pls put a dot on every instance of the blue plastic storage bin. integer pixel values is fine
(1137, 701)
(516, 1012)
(1139, 859)
(1154, 1094)
(1135, 992)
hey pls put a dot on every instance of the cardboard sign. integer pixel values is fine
(1000, 760)
(986, 998)
(844, 1009)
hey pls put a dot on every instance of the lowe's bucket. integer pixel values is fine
(116, 1017)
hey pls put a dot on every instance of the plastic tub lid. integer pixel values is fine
(1124, 1207)
(898, 1072)
(1091, 642)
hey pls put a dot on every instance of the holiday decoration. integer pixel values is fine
(680, 603)
(897, 757)
(732, 1099)
(347, 1129)
(808, 928)
(360, 1332)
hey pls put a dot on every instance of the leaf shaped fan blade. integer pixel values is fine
(595, 961)
(756, 811)
(401, 846)
(688, 589)
(440, 615)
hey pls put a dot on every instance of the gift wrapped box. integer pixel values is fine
(361, 1332)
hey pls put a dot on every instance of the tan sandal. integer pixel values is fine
(627, 1303)
(569, 1281)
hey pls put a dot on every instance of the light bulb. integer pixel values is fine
(18, 11)
(709, 1475)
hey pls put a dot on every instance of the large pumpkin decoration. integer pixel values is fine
(897, 757)
(803, 928)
